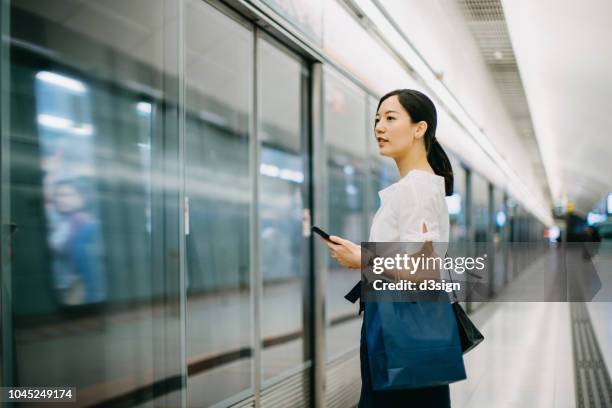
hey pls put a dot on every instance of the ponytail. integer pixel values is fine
(441, 165)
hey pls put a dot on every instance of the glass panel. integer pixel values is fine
(7, 228)
(480, 207)
(501, 216)
(95, 258)
(218, 82)
(499, 220)
(283, 248)
(456, 202)
(306, 15)
(344, 129)
(480, 217)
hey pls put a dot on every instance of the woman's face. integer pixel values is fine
(394, 130)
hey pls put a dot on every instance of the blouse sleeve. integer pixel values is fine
(416, 207)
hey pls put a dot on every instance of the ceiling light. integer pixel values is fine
(62, 81)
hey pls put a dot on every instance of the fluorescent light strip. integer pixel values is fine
(271, 170)
(61, 81)
(60, 123)
(380, 22)
(54, 122)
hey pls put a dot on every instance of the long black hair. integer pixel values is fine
(420, 107)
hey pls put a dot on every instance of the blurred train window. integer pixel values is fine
(480, 208)
(347, 169)
(94, 182)
(283, 85)
(66, 137)
(456, 203)
(218, 182)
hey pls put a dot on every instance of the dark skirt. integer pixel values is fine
(426, 397)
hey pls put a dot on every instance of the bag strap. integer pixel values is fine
(451, 279)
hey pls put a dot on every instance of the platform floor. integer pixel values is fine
(527, 360)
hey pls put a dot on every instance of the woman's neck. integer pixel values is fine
(413, 160)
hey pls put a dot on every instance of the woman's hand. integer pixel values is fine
(347, 253)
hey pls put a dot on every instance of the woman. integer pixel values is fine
(412, 210)
(74, 240)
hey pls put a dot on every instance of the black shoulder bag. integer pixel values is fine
(468, 333)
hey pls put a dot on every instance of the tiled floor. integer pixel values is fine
(526, 358)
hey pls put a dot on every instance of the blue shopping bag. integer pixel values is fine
(413, 344)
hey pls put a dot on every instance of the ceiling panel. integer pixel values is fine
(562, 49)
(486, 21)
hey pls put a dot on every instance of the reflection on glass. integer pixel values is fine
(282, 245)
(95, 259)
(499, 222)
(66, 143)
(480, 217)
(345, 134)
(456, 203)
(499, 208)
(218, 80)
(480, 208)
(306, 15)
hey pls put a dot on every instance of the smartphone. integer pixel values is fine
(322, 233)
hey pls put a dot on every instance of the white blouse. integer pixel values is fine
(417, 198)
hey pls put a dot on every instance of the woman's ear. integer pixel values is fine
(421, 128)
